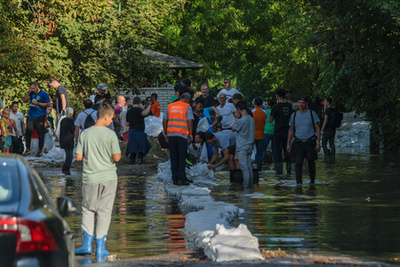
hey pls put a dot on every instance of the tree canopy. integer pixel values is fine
(348, 50)
(79, 42)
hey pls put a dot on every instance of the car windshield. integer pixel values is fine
(8, 182)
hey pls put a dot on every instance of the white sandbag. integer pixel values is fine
(153, 125)
(56, 154)
(204, 153)
(199, 173)
(232, 244)
(58, 125)
(48, 141)
(34, 146)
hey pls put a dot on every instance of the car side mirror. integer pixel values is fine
(65, 206)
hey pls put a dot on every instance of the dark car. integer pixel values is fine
(32, 230)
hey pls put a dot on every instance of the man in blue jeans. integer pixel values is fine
(259, 117)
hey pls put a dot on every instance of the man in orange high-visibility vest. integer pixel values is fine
(178, 126)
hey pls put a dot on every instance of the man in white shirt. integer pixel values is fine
(227, 111)
(18, 117)
(228, 90)
(80, 120)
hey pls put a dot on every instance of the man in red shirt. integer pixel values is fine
(259, 117)
(155, 107)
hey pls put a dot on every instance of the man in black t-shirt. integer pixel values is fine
(138, 144)
(328, 131)
(281, 112)
(62, 101)
(205, 95)
(67, 139)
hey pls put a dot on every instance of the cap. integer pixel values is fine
(101, 86)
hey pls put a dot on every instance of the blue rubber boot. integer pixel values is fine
(86, 247)
(101, 247)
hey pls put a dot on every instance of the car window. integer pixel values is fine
(9, 189)
(41, 189)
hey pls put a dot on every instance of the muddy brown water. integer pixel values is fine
(354, 209)
(145, 221)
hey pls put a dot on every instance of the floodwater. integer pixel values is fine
(354, 208)
(145, 221)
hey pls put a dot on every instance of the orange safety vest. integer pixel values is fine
(177, 121)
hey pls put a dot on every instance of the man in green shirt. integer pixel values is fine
(99, 149)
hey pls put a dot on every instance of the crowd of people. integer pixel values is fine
(210, 128)
(224, 130)
(196, 128)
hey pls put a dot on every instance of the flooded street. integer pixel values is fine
(354, 209)
(145, 220)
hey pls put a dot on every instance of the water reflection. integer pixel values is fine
(354, 208)
(145, 220)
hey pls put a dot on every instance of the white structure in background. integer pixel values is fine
(353, 135)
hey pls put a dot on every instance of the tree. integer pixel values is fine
(357, 45)
(80, 42)
(345, 49)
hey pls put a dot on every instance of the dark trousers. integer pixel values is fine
(301, 150)
(68, 159)
(31, 125)
(280, 141)
(267, 138)
(17, 145)
(259, 149)
(177, 154)
(328, 136)
(139, 155)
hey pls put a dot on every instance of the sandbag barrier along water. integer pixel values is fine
(207, 225)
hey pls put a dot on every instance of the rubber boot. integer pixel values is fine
(132, 158)
(86, 247)
(231, 176)
(256, 176)
(279, 168)
(259, 165)
(138, 161)
(238, 176)
(288, 167)
(101, 247)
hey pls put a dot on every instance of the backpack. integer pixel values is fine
(89, 121)
(336, 119)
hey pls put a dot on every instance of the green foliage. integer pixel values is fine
(79, 42)
(345, 49)
(358, 48)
